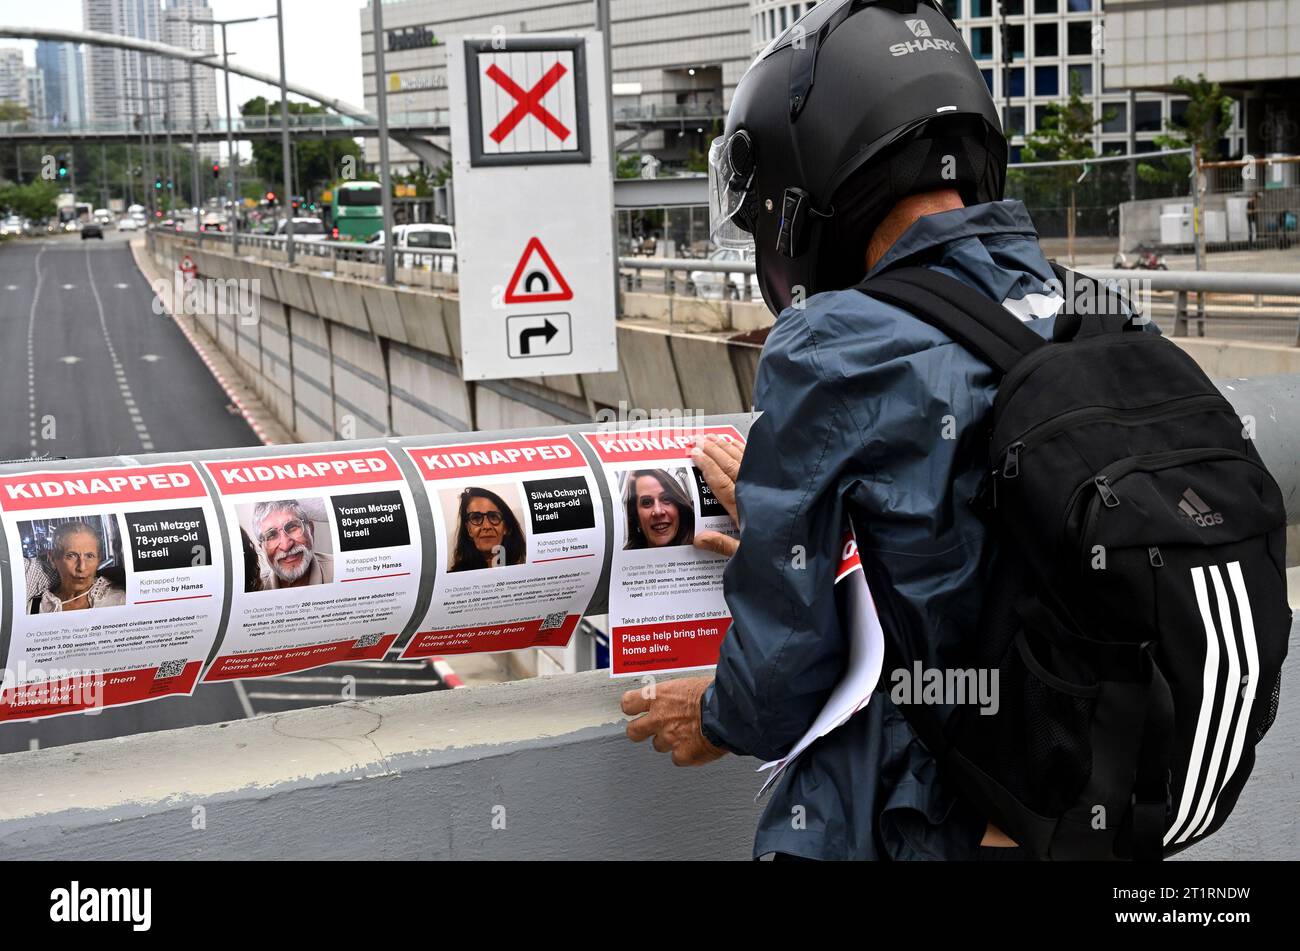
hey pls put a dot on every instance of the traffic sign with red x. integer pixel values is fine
(529, 102)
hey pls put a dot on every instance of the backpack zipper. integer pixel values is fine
(1148, 463)
(1172, 408)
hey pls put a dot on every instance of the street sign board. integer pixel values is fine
(535, 203)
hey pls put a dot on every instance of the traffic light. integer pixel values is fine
(270, 198)
(157, 184)
(216, 170)
(63, 167)
(169, 184)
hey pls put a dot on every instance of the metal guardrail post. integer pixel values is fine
(1180, 314)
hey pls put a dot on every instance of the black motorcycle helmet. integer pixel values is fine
(858, 104)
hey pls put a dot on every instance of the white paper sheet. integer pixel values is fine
(866, 656)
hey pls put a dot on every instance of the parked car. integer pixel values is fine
(92, 229)
(731, 285)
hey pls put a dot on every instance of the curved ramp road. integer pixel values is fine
(88, 369)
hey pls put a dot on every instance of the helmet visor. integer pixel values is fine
(731, 177)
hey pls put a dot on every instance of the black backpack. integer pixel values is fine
(1136, 612)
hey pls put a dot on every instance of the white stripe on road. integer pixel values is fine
(1209, 678)
(31, 356)
(244, 702)
(146, 442)
(1229, 704)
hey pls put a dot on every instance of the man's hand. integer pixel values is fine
(719, 463)
(672, 717)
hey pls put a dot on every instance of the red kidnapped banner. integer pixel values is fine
(291, 659)
(497, 458)
(653, 445)
(40, 490)
(291, 473)
(491, 637)
(87, 691)
(667, 646)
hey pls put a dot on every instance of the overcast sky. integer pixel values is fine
(322, 41)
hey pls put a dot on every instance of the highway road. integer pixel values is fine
(88, 369)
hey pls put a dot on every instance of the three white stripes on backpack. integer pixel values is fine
(1236, 660)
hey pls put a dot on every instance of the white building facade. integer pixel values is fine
(1030, 52)
(674, 63)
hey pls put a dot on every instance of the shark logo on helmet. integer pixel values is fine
(924, 40)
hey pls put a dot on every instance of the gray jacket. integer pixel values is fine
(857, 399)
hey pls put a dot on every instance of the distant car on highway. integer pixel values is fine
(304, 229)
(128, 223)
(13, 225)
(216, 223)
(92, 229)
(731, 285)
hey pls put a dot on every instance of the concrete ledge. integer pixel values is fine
(414, 777)
(1229, 358)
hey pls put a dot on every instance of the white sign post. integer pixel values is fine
(534, 201)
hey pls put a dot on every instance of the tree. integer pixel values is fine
(35, 200)
(319, 161)
(13, 112)
(1208, 117)
(1065, 135)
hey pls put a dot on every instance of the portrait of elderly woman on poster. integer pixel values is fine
(75, 556)
(659, 512)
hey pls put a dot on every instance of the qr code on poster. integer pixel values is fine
(552, 621)
(170, 668)
(367, 640)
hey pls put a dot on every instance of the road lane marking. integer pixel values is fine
(31, 356)
(243, 699)
(142, 431)
(70, 359)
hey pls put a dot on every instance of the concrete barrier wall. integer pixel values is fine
(337, 357)
(536, 769)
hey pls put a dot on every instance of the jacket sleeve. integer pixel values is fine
(785, 649)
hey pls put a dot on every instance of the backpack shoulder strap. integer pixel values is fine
(965, 315)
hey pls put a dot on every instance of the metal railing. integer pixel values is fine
(343, 256)
(697, 277)
(1263, 306)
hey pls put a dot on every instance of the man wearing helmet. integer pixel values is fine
(862, 138)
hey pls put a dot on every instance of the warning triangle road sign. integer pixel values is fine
(536, 278)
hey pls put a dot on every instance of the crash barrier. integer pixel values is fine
(535, 769)
(339, 358)
(127, 579)
(425, 267)
(240, 563)
(1238, 306)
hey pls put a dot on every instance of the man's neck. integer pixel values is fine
(903, 214)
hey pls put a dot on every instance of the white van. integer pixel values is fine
(424, 237)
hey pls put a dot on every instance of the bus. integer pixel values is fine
(356, 211)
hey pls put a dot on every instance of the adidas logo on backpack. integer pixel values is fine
(1138, 641)
(1194, 507)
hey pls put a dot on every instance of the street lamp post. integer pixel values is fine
(234, 199)
(284, 136)
(381, 103)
